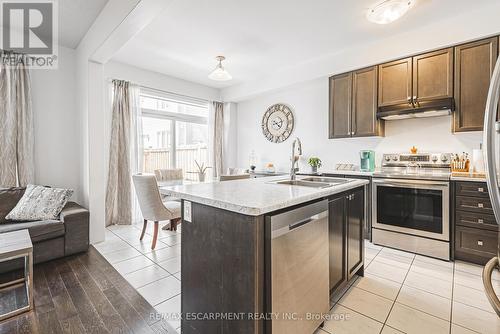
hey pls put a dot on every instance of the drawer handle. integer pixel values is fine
(480, 205)
(480, 189)
(480, 242)
(480, 221)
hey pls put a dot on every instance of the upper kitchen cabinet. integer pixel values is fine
(423, 82)
(353, 105)
(364, 103)
(340, 105)
(474, 63)
(394, 83)
(432, 76)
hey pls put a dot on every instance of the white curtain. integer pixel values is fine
(124, 152)
(137, 145)
(216, 124)
(16, 122)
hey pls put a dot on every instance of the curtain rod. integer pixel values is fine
(167, 92)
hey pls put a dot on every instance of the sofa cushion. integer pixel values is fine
(40, 203)
(39, 230)
(8, 200)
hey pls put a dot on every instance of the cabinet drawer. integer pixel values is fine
(474, 204)
(476, 220)
(475, 189)
(476, 241)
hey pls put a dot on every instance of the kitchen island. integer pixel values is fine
(229, 266)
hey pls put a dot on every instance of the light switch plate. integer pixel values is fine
(187, 211)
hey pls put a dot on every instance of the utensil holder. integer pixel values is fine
(460, 166)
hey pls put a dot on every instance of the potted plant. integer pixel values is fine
(315, 163)
(201, 171)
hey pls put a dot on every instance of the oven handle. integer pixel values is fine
(410, 183)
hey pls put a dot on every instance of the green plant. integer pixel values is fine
(314, 162)
(201, 168)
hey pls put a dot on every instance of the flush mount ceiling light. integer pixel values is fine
(389, 11)
(220, 74)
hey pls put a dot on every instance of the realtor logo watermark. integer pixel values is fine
(30, 28)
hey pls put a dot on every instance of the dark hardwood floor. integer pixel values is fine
(81, 294)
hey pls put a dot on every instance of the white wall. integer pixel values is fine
(57, 125)
(309, 102)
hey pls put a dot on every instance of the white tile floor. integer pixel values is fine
(400, 293)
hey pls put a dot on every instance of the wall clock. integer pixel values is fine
(277, 123)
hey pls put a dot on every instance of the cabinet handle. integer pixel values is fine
(480, 205)
(480, 189)
(415, 101)
(480, 243)
(410, 103)
(480, 221)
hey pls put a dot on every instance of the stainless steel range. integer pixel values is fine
(411, 195)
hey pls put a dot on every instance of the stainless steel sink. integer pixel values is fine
(304, 183)
(333, 180)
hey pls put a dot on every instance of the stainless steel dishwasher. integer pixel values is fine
(299, 269)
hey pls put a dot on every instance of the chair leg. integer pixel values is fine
(175, 222)
(155, 235)
(143, 229)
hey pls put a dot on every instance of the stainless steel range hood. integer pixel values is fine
(435, 108)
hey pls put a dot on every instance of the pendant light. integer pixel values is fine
(219, 73)
(389, 11)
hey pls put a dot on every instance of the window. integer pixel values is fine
(174, 132)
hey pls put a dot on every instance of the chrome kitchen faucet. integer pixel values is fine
(295, 158)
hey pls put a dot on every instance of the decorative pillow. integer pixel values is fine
(40, 203)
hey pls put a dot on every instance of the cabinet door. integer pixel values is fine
(474, 64)
(433, 76)
(364, 103)
(337, 244)
(355, 222)
(394, 83)
(340, 105)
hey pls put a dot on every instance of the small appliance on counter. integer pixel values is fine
(367, 161)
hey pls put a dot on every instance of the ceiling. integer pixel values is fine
(75, 19)
(262, 37)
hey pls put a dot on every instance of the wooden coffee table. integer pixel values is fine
(14, 245)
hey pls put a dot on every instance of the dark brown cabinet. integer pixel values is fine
(420, 81)
(345, 229)
(353, 104)
(337, 242)
(340, 105)
(394, 83)
(432, 76)
(355, 240)
(474, 64)
(476, 230)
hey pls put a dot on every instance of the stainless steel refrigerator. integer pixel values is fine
(491, 151)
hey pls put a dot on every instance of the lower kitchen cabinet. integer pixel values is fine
(345, 229)
(476, 230)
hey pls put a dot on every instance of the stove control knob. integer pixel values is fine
(387, 158)
(395, 158)
(434, 158)
(444, 158)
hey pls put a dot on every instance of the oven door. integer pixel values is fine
(413, 207)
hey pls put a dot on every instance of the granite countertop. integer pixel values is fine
(254, 197)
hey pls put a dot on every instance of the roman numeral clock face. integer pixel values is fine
(277, 123)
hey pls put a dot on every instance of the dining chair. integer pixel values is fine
(152, 206)
(169, 174)
(234, 177)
